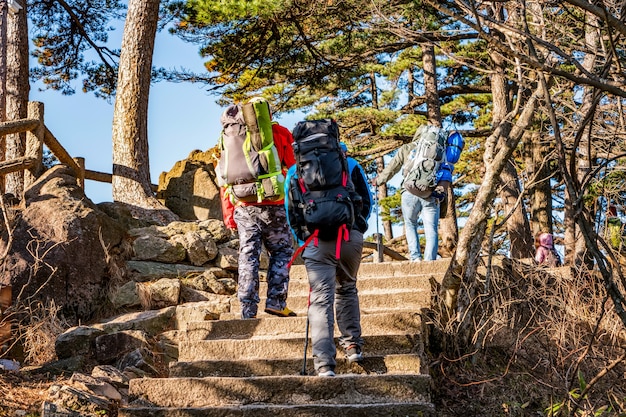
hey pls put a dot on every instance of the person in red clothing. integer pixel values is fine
(260, 224)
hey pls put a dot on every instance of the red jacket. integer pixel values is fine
(283, 141)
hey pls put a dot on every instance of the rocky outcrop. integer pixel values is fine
(62, 247)
(189, 188)
(68, 250)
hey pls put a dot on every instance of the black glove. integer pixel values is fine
(438, 194)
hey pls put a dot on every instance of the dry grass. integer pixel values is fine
(39, 336)
(542, 344)
(22, 394)
(35, 329)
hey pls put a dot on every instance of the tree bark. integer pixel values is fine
(131, 168)
(576, 252)
(430, 84)
(381, 189)
(518, 227)
(498, 150)
(17, 91)
(4, 10)
(540, 191)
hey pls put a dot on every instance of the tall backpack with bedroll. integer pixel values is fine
(321, 192)
(249, 167)
(421, 165)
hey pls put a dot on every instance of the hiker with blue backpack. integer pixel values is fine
(328, 203)
(427, 164)
(255, 154)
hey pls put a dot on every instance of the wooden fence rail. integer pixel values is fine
(37, 135)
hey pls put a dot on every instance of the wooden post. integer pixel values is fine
(379, 248)
(80, 175)
(34, 143)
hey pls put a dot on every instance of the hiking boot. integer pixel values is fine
(354, 354)
(326, 370)
(285, 312)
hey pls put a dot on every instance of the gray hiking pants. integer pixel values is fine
(333, 288)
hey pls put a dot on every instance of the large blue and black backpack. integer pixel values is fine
(321, 191)
(432, 159)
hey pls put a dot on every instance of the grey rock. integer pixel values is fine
(125, 296)
(79, 340)
(153, 248)
(159, 294)
(110, 347)
(152, 322)
(110, 374)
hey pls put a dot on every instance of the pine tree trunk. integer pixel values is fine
(517, 225)
(17, 91)
(576, 251)
(540, 192)
(464, 265)
(131, 168)
(4, 11)
(499, 148)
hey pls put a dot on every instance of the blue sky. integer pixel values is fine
(181, 117)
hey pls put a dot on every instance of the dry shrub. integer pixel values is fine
(547, 339)
(40, 332)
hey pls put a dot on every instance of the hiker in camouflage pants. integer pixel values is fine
(261, 220)
(263, 225)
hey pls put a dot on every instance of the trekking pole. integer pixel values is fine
(306, 335)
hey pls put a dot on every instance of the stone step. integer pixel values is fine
(364, 284)
(416, 409)
(377, 323)
(289, 347)
(284, 390)
(389, 364)
(388, 269)
(233, 367)
(370, 302)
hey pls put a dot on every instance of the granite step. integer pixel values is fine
(285, 390)
(368, 283)
(388, 364)
(377, 323)
(232, 367)
(407, 299)
(408, 409)
(387, 269)
(288, 347)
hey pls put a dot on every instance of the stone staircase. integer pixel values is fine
(233, 367)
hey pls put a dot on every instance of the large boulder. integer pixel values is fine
(63, 247)
(189, 189)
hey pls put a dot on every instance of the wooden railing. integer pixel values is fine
(37, 135)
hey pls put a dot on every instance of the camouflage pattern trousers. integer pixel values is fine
(263, 225)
